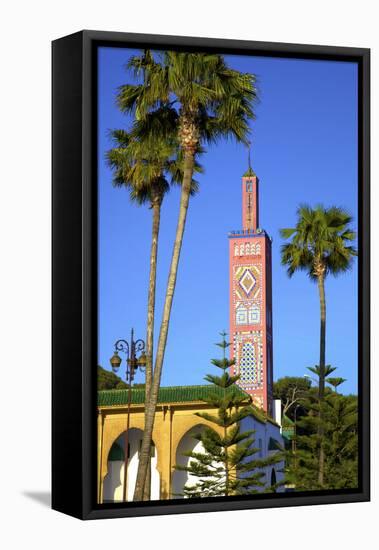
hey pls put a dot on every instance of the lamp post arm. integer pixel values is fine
(123, 345)
(139, 345)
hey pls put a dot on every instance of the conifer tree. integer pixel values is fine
(340, 428)
(226, 465)
(321, 245)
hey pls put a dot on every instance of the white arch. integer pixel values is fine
(114, 480)
(187, 444)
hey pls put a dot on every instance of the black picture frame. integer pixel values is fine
(74, 272)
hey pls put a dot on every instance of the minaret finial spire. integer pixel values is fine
(249, 172)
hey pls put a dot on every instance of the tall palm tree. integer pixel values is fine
(143, 165)
(320, 245)
(141, 169)
(212, 101)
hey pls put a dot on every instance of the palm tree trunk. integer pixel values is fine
(226, 465)
(321, 387)
(189, 157)
(156, 206)
(147, 488)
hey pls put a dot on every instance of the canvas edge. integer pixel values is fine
(90, 39)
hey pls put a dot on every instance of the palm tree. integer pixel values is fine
(211, 101)
(321, 245)
(143, 165)
(141, 169)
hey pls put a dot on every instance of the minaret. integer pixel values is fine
(251, 299)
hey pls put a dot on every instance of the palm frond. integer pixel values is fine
(321, 235)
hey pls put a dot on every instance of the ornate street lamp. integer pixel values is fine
(133, 362)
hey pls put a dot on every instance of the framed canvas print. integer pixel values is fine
(210, 275)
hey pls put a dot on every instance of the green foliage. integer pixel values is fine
(335, 382)
(284, 386)
(227, 465)
(139, 165)
(328, 369)
(146, 158)
(200, 89)
(321, 239)
(339, 422)
(107, 380)
(147, 165)
(290, 390)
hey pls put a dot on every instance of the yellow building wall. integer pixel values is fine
(172, 422)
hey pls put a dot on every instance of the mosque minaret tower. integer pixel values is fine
(250, 268)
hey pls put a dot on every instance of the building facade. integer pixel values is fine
(250, 276)
(176, 418)
(175, 424)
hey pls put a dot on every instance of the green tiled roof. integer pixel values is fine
(249, 173)
(169, 394)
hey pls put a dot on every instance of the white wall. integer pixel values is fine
(263, 432)
(262, 435)
(278, 412)
(27, 29)
(114, 480)
(180, 478)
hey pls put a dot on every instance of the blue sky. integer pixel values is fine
(304, 151)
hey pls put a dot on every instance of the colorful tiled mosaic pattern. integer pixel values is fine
(248, 354)
(248, 344)
(247, 294)
(250, 299)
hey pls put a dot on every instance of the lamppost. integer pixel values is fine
(130, 349)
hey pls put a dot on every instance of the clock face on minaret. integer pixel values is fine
(251, 300)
